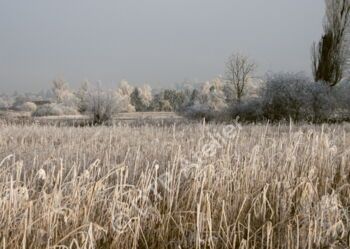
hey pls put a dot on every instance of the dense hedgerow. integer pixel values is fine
(294, 96)
(285, 96)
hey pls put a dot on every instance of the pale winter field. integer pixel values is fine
(185, 186)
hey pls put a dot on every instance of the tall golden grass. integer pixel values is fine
(154, 187)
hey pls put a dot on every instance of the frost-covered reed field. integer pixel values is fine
(185, 186)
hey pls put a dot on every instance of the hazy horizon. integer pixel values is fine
(156, 42)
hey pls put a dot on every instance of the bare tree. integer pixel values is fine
(329, 55)
(238, 70)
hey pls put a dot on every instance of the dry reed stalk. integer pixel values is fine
(98, 187)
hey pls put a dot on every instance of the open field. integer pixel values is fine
(185, 186)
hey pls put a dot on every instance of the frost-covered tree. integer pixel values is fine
(208, 100)
(296, 96)
(168, 100)
(146, 94)
(103, 104)
(238, 71)
(82, 95)
(63, 94)
(59, 89)
(136, 100)
(141, 98)
(125, 89)
(124, 92)
(211, 96)
(330, 54)
(159, 104)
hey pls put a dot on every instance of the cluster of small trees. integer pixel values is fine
(294, 96)
(238, 94)
(102, 104)
(282, 96)
(20, 102)
(278, 97)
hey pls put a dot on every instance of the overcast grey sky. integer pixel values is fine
(158, 42)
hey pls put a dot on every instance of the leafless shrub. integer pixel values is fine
(54, 110)
(294, 96)
(102, 105)
(27, 107)
(249, 110)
